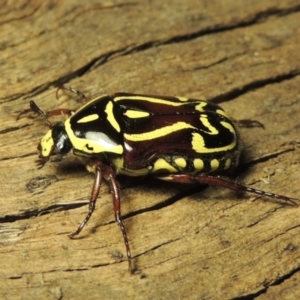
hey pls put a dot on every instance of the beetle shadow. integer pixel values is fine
(149, 183)
(71, 167)
(180, 191)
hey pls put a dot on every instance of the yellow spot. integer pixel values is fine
(111, 117)
(205, 122)
(97, 142)
(161, 165)
(227, 164)
(89, 118)
(198, 164)
(47, 144)
(164, 131)
(180, 162)
(214, 164)
(135, 114)
(201, 105)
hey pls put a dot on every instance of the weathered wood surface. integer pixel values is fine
(209, 245)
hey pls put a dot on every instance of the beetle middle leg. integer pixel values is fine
(103, 171)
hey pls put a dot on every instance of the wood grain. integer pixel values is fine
(208, 245)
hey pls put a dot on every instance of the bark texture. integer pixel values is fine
(213, 244)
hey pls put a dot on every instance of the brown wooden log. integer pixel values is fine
(214, 244)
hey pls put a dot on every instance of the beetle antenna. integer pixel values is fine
(36, 109)
(70, 89)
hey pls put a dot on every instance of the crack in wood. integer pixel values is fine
(252, 86)
(12, 129)
(263, 158)
(98, 61)
(44, 211)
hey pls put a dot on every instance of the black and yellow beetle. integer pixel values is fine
(172, 138)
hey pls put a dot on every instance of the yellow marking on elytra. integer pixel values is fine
(111, 117)
(214, 164)
(200, 107)
(221, 112)
(135, 114)
(198, 164)
(88, 118)
(230, 127)
(227, 164)
(164, 131)
(153, 100)
(95, 143)
(205, 122)
(198, 145)
(180, 162)
(162, 164)
(47, 144)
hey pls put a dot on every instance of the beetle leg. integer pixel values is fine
(56, 112)
(93, 199)
(220, 181)
(108, 173)
(72, 90)
(115, 190)
(60, 111)
(250, 123)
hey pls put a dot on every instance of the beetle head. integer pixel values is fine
(55, 141)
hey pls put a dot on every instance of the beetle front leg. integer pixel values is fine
(220, 181)
(56, 112)
(93, 199)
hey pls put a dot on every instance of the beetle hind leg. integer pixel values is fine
(248, 123)
(223, 182)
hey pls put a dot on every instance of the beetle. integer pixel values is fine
(171, 138)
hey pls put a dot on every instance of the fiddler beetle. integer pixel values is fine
(172, 138)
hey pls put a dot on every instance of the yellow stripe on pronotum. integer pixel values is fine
(111, 117)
